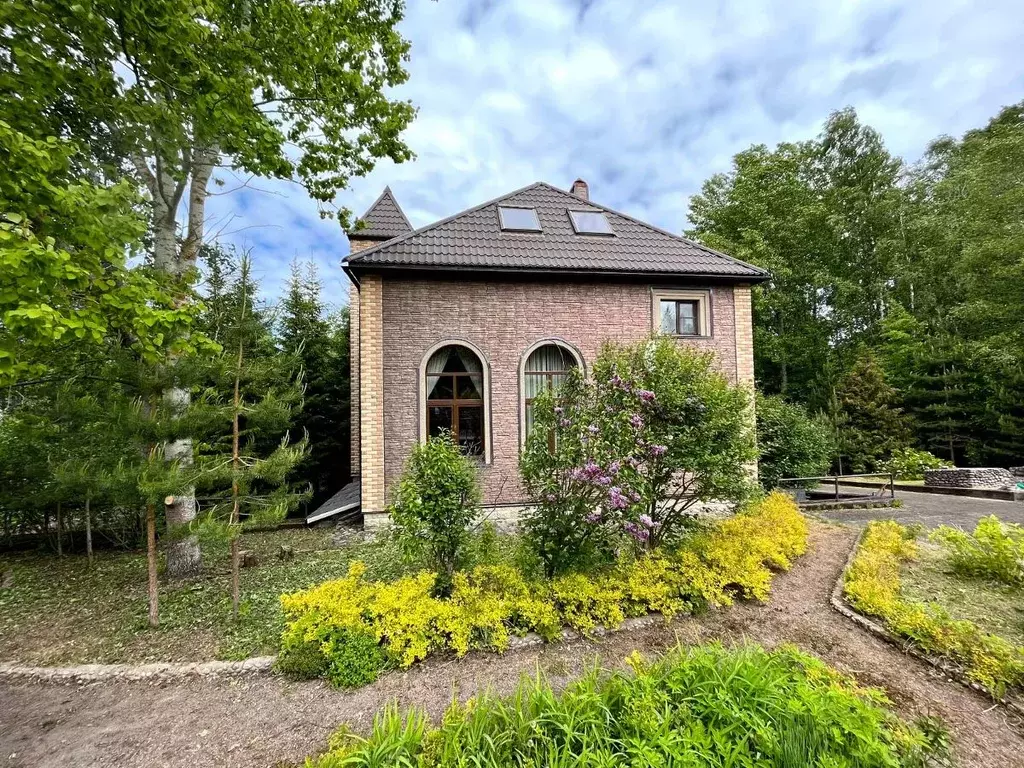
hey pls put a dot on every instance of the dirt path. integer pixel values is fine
(267, 721)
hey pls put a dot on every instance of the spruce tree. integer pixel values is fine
(871, 424)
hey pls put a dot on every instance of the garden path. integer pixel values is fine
(266, 721)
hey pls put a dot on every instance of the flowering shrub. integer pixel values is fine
(328, 625)
(872, 585)
(656, 432)
(994, 551)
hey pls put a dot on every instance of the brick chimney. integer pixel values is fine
(580, 189)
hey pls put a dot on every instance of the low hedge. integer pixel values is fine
(872, 586)
(352, 624)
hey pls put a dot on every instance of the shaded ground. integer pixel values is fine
(60, 611)
(267, 721)
(932, 510)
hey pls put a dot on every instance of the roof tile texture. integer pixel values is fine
(473, 239)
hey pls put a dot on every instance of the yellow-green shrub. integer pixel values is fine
(872, 585)
(491, 603)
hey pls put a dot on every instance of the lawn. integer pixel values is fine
(60, 611)
(994, 607)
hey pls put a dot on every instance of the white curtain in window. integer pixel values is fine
(550, 357)
(439, 361)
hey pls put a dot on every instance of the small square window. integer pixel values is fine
(518, 219)
(681, 317)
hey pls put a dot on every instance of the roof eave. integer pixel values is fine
(354, 269)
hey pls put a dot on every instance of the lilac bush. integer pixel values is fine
(657, 431)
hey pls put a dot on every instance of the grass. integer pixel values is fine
(60, 611)
(702, 706)
(994, 607)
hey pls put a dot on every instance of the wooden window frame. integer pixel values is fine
(455, 403)
(422, 417)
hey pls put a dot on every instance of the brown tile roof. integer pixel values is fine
(473, 240)
(383, 221)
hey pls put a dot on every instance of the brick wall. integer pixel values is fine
(503, 319)
(371, 383)
(356, 244)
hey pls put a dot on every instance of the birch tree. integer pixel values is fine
(168, 93)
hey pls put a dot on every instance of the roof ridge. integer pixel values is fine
(401, 238)
(648, 225)
(368, 217)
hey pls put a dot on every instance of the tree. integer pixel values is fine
(167, 92)
(871, 424)
(65, 278)
(792, 442)
(317, 344)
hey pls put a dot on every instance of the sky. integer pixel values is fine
(643, 100)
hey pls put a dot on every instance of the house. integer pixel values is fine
(458, 324)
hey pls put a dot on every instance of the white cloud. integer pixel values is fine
(646, 101)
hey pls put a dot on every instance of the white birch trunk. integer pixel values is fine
(184, 558)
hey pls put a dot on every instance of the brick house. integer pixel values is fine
(455, 325)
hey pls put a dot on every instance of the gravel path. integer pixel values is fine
(933, 509)
(267, 721)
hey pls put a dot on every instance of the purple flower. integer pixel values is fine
(550, 497)
(614, 467)
(604, 480)
(646, 395)
(647, 522)
(634, 496)
(616, 498)
(636, 420)
(593, 517)
(638, 533)
(559, 410)
(564, 423)
(658, 450)
(592, 429)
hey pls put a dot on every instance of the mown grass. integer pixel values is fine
(996, 608)
(61, 611)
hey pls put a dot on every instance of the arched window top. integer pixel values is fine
(455, 397)
(546, 367)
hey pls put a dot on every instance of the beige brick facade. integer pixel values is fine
(402, 319)
(356, 244)
(371, 394)
(744, 336)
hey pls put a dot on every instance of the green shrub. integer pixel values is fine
(994, 551)
(489, 604)
(792, 442)
(703, 706)
(434, 504)
(872, 585)
(356, 658)
(910, 463)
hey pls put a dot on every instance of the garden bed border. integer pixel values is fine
(840, 605)
(82, 674)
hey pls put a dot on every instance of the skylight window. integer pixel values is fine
(590, 223)
(518, 219)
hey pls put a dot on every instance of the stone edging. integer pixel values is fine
(167, 671)
(839, 604)
(94, 673)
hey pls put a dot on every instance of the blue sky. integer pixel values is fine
(644, 100)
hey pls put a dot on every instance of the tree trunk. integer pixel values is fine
(88, 530)
(60, 531)
(154, 616)
(234, 577)
(184, 559)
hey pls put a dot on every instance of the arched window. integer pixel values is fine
(455, 397)
(545, 369)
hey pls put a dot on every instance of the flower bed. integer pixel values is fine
(703, 706)
(350, 629)
(872, 586)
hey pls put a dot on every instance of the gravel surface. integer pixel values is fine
(268, 721)
(932, 509)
